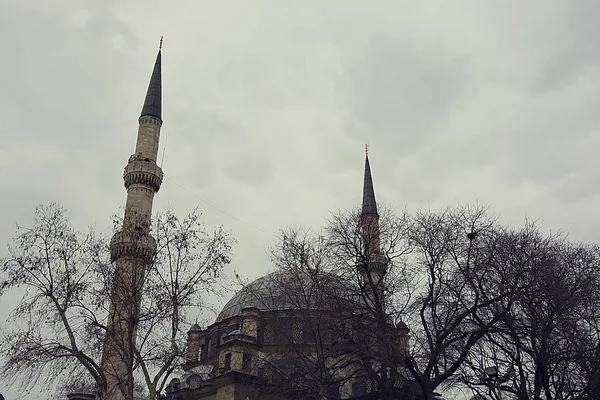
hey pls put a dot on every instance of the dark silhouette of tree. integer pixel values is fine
(354, 341)
(308, 320)
(551, 335)
(64, 278)
(455, 278)
(457, 252)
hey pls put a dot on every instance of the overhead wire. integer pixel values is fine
(220, 210)
(204, 201)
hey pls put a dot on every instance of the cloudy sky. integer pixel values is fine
(267, 106)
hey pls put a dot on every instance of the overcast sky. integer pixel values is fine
(267, 106)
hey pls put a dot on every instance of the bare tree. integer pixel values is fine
(188, 266)
(64, 278)
(434, 271)
(314, 361)
(457, 252)
(550, 337)
(53, 330)
(370, 255)
(473, 293)
(355, 340)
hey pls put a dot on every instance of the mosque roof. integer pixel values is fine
(284, 291)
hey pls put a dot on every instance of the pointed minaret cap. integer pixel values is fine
(369, 205)
(153, 103)
(195, 328)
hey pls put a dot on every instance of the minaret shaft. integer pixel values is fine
(142, 176)
(148, 137)
(133, 249)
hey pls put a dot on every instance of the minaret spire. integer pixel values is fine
(153, 103)
(369, 205)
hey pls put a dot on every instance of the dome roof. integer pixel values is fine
(282, 291)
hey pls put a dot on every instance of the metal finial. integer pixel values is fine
(160, 44)
(366, 149)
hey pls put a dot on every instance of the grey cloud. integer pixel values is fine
(579, 187)
(253, 168)
(571, 49)
(268, 105)
(400, 93)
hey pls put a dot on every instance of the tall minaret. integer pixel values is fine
(133, 248)
(374, 260)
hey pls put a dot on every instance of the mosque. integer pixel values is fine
(269, 337)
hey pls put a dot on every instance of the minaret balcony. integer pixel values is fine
(135, 245)
(143, 172)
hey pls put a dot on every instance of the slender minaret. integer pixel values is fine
(133, 248)
(373, 258)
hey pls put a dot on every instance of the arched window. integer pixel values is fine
(369, 385)
(209, 351)
(266, 371)
(297, 333)
(175, 384)
(363, 385)
(247, 362)
(227, 362)
(194, 381)
(333, 391)
(268, 335)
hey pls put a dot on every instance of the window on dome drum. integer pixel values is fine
(333, 391)
(259, 334)
(364, 385)
(211, 348)
(297, 333)
(247, 362)
(268, 335)
(328, 333)
(175, 384)
(278, 378)
(227, 362)
(369, 386)
(194, 381)
(358, 388)
(266, 371)
(398, 382)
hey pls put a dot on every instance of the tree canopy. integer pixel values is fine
(64, 278)
(475, 294)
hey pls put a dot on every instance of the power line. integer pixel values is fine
(220, 210)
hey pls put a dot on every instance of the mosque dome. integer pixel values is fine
(282, 290)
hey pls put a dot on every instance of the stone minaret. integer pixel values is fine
(133, 248)
(373, 258)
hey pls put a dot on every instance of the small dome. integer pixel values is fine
(401, 326)
(236, 332)
(280, 291)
